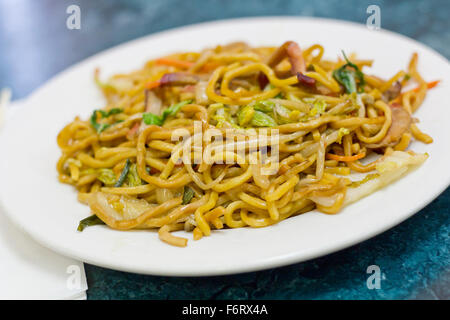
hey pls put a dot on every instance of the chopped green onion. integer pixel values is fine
(188, 194)
(89, 221)
(124, 174)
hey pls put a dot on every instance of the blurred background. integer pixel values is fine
(35, 44)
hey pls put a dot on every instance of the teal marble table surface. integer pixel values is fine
(413, 256)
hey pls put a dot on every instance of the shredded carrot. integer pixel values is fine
(152, 84)
(345, 158)
(430, 85)
(174, 63)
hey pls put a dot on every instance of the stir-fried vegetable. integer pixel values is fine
(350, 76)
(346, 158)
(342, 132)
(133, 178)
(222, 115)
(106, 176)
(188, 194)
(318, 108)
(264, 106)
(89, 221)
(260, 119)
(389, 169)
(150, 118)
(124, 174)
(245, 115)
(104, 114)
(430, 85)
(286, 115)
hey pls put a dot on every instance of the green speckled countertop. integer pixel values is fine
(414, 256)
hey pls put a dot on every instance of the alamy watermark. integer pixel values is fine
(73, 281)
(374, 280)
(73, 21)
(373, 22)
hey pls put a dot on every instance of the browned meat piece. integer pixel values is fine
(401, 120)
(393, 92)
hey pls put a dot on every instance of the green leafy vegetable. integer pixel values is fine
(150, 118)
(264, 106)
(133, 178)
(106, 176)
(123, 174)
(220, 117)
(104, 114)
(188, 194)
(245, 115)
(89, 221)
(318, 108)
(173, 110)
(260, 119)
(349, 76)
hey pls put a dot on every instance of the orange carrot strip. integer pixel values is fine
(174, 63)
(430, 85)
(345, 158)
(152, 84)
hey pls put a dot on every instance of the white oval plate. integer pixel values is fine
(49, 211)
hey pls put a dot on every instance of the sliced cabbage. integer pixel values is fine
(118, 207)
(389, 169)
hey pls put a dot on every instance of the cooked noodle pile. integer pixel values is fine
(328, 116)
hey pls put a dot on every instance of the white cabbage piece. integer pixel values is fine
(389, 169)
(130, 207)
